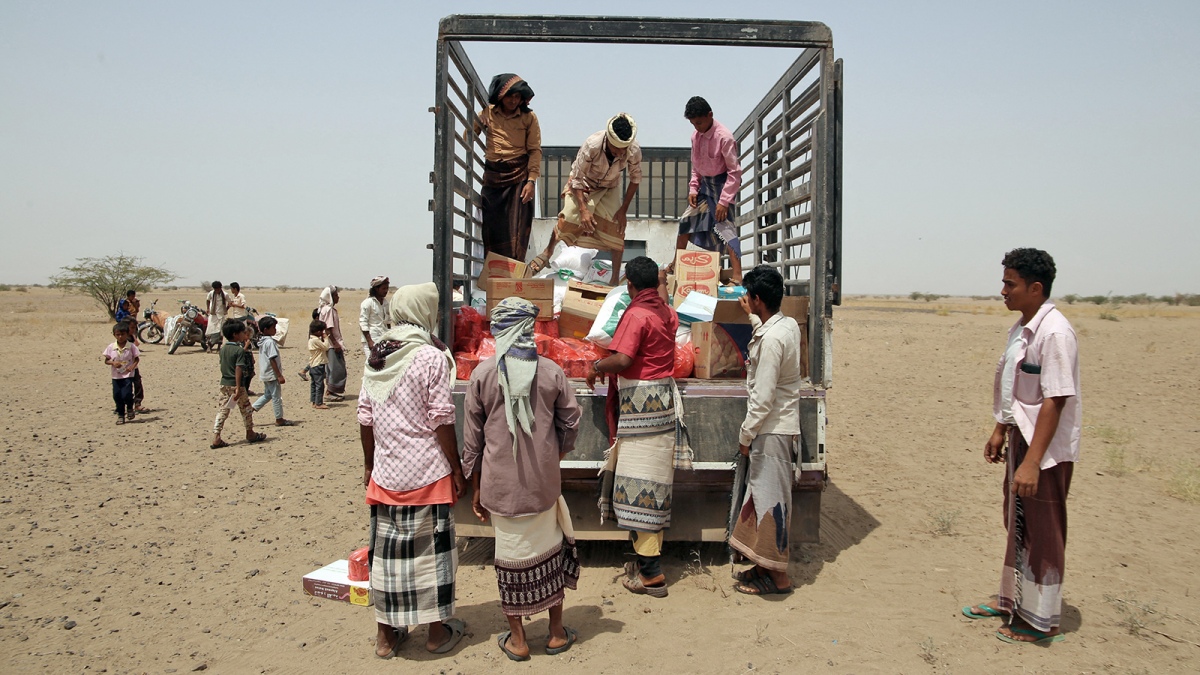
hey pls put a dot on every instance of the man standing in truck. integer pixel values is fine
(512, 164)
(650, 441)
(769, 437)
(1036, 404)
(713, 188)
(594, 212)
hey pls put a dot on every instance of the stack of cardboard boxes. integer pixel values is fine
(720, 345)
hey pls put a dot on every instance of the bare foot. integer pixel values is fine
(321, 407)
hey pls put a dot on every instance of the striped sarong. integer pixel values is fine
(639, 468)
(1036, 551)
(762, 531)
(536, 560)
(413, 561)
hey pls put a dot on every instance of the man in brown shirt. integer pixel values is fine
(521, 418)
(513, 162)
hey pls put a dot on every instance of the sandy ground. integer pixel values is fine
(136, 548)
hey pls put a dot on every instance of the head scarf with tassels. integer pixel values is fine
(516, 351)
(506, 83)
(414, 314)
(326, 296)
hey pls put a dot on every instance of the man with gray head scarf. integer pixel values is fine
(335, 382)
(520, 420)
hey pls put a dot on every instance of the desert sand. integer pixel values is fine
(137, 549)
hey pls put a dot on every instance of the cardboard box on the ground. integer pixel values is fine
(499, 267)
(695, 272)
(538, 291)
(333, 583)
(580, 307)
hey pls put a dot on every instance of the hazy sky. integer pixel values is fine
(290, 142)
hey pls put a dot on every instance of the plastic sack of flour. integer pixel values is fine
(610, 313)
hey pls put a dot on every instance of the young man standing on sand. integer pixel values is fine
(769, 437)
(1036, 403)
(713, 188)
(649, 439)
(372, 315)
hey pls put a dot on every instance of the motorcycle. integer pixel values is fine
(188, 327)
(153, 327)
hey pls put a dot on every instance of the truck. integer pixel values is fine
(788, 214)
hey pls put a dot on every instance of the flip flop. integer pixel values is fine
(985, 612)
(636, 587)
(763, 585)
(572, 636)
(1042, 638)
(219, 444)
(258, 438)
(513, 656)
(457, 628)
(284, 423)
(401, 636)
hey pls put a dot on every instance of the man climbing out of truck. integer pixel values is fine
(1038, 422)
(594, 213)
(769, 437)
(512, 164)
(713, 188)
(645, 414)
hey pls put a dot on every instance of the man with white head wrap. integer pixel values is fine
(594, 213)
(520, 420)
(335, 382)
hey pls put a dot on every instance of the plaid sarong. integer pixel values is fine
(700, 223)
(413, 561)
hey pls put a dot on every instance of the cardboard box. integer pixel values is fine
(331, 582)
(580, 307)
(499, 267)
(695, 272)
(795, 306)
(717, 355)
(538, 291)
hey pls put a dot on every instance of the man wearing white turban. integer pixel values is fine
(594, 213)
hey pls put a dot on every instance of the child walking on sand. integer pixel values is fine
(122, 356)
(270, 371)
(237, 367)
(318, 348)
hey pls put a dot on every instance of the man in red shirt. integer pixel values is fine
(650, 441)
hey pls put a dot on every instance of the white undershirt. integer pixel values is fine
(1009, 376)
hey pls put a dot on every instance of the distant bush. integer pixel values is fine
(927, 297)
(20, 289)
(5, 287)
(206, 285)
(283, 288)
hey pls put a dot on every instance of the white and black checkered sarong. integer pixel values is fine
(413, 562)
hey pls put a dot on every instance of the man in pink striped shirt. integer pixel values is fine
(712, 191)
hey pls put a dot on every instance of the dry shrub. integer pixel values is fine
(1185, 484)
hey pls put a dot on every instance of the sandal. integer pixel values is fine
(457, 628)
(512, 656)
(401, 636)
(219, 444)
(638, 587)
(1039, 638)
(284, 423)
(536, 265)
(763, 585)
(120, 420)
(747, 575)
(257, 438)
(982, 611)
(304, 375)
(572, 636)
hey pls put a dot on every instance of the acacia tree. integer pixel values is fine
(106, 279)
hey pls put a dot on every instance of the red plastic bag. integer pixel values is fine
(576, 355)
(468, 329)
(487, 348)
(464, 364)
(685, 360)
(548, 328)
(543, 343)
(358, 565)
